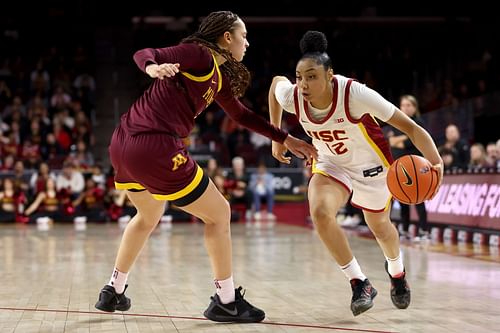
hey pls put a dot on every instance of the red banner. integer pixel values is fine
(469, 200)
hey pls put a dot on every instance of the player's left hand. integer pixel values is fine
(162, 71)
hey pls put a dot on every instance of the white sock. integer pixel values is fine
(352, 270)
(118, 281)
(225, 290)
(395, 266)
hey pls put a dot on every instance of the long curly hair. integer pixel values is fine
(211, 29)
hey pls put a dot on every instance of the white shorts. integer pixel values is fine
(368, 185)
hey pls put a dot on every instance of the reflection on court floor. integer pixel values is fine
(50, 280)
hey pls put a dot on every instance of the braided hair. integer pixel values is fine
(210, 29)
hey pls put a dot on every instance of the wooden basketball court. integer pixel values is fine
(50, 280)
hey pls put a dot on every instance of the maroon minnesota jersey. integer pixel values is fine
(172, 104)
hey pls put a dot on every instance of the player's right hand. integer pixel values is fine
(439, 169)
(162, 71)
(279, 152)
(299, 148)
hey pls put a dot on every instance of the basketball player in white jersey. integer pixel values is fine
(339, 114)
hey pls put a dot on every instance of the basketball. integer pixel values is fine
(411, 179)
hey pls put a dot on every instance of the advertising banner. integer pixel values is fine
(471, 200)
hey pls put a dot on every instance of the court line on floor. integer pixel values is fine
(193, 318)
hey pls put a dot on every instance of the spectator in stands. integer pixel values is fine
(62, 136)
(478, 158)
(5, 94)
(492, 154)
(66, 119)
(457, 146)
(212, 167)
(90, 203)
(401, 145)
(47, 203)
(21, 178)
(219, 180)
(120, 205)
(8, 163)
(30, 153)
(52, 152)
(262, 187)
(82, 132)
(40, 79)
(16, 106)
(60, 100)
(39, 179)
(82, 157)
(70, 179)
(61, 77)
(98, 175)
(81, 120)
(237, 140)
(10, 146)
(35, 135)
(498, 152)
(447, 157)
(218, 175)
(85, 87)
(237, 186)
(8, 206)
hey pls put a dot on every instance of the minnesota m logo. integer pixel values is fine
(178, 160)
(209, 95)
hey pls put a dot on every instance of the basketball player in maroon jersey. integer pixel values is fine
(153, 165)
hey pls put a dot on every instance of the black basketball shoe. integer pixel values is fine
(363, 294)
(239, 311)
(400, 290)
(110, 301)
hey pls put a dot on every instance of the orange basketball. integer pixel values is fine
(411, 179)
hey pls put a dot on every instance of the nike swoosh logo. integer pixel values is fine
(231, 312)
(409, 180)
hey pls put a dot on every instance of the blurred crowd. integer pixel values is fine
(48, 109)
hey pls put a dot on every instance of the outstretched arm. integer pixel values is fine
(275, 115)
(241, 114)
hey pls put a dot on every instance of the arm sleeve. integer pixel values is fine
(366, 100)
(190, 56)
(244, 116)
(284, 95)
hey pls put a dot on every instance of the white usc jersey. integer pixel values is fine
(352, 148)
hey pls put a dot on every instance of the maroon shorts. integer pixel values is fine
(159, 163)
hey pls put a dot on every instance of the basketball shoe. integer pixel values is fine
(400, 290)
(363, 294)
(239, 311)
(110, 301)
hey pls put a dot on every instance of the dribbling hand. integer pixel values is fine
(439, 169)
(162, 71)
